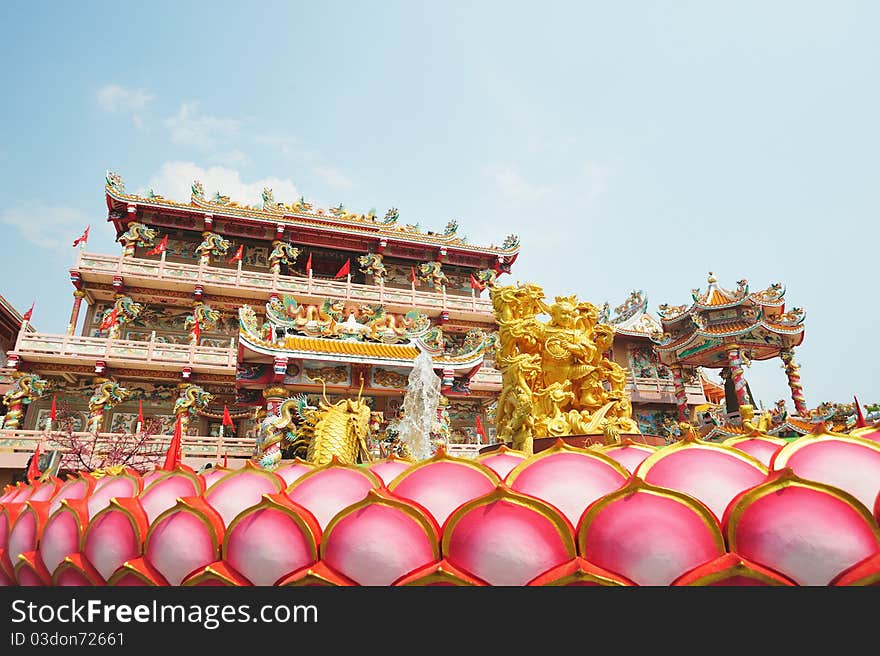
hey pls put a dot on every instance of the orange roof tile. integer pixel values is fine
(727, 328)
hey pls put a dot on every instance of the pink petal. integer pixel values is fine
(648, 534)
(63, 533)
(441, 484)
(502, 460)
(579, 572)
(294, 471)
(629, 454)
(505, 538)
(389, 469)
(115, 535)
(568, 478)
(75, 488)
(213, 475)
(108, 487)
(380, 539)
(330, 488)
(184, 538)
(271, 540)
(851, 464)
(731, 570)
(761, 447)
(807, 531)
(240, 489)
(164, 490)
(711, 473)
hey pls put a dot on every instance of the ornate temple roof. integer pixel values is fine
(719, 317)
(352, 351)
(302, 214)
(632, 317)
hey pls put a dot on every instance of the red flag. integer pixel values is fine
(475, 284)
(860, 418)
(309, 264)
(480, 430)
(27, 315)
(160, 248)
(141, 412)
(33, 470)
(412, 277)
(197, 331)
(227, 420)
(53, 415)
(345, 270)
(238, 254)
(82, 239)
(172, 456)
(225, 461)
(110, 319)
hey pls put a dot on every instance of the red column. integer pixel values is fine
(78, 296)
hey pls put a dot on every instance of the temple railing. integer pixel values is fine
(259, 284)
(661, 390)
(46, 347)
(16, 446)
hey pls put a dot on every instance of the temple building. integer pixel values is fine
(725, 330)
(650, 382)
(214, 303)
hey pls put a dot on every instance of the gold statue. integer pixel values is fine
(556, 380)
(764, 423)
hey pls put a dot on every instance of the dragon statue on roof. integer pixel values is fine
(26, 388)
(137, 235)
(371, 263)
(108, 394)
(432, 272)
(282, 253)
(212, 245)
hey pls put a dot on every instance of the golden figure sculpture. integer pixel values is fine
(556, 380)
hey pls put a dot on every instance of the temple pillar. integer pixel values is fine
(274, 396)
(794, 382)
(734, 362)
(680, 393)
(78, 296)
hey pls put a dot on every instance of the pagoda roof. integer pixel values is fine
(317, 348)
(304, 215)
(718, 318)
(632, 317)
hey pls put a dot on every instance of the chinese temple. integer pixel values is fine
(214, 303)
(651, 384)
(724, 329)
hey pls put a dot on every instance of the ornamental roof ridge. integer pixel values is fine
(303, 212)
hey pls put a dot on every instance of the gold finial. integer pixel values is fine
(711, 279)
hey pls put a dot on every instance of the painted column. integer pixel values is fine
(78, 296)
(268, 448)
(794, 382)
(734, 361)
(107, 395)
(274, 396)
(190, 399)
(680, 393)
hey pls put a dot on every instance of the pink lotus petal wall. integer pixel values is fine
(752, 511)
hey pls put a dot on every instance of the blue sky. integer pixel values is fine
(631, 145)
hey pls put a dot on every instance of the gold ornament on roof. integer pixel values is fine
(556, 380)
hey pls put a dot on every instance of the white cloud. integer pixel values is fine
(190, 128)
(512, 185)
(114, 98)
(333, 177)
(174, 180)
(49, 226)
